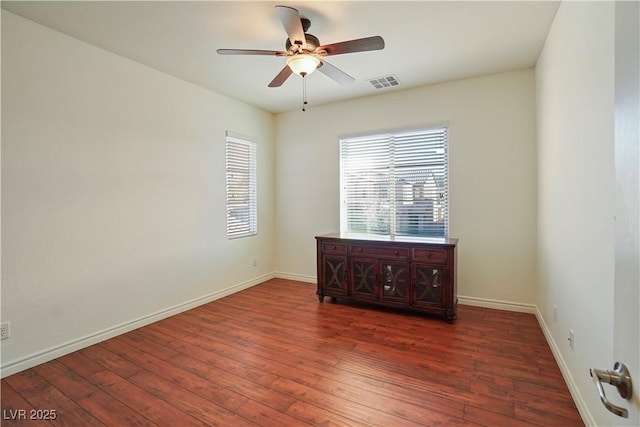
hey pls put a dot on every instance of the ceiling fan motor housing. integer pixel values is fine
(312, 44)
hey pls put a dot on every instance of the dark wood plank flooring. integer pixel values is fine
(272, 355)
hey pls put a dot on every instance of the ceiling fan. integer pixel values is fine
(304, 52)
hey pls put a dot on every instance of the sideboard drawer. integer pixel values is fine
(334, 248)
(380, 252)
(429, 255)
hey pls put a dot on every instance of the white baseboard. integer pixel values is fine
(51, 353)
(583, 409)
(297, 277)
(497, 304)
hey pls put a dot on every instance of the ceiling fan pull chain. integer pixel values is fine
(304, 93)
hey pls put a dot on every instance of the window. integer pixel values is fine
(395, 183)
(242, 205)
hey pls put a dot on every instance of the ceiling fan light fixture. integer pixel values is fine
(303, 64)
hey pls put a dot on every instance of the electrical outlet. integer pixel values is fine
(572, 339)
(4, 331)
(555, 313)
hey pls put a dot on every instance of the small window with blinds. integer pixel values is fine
(395, 183)
(242, 201)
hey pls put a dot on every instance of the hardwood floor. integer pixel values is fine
(272, 355)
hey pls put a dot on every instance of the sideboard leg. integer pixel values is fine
(450, 315)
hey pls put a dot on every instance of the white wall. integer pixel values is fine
(492, 176)
(576, 192)
(113, 193)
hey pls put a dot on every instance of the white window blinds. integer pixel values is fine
(395, 183)
(242, 202)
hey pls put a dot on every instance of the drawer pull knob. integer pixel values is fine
(397, 252)
(334, 247)
(428, 254)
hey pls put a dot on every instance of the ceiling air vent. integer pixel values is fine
(386, 81)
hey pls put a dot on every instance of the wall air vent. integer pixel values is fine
(386, 81)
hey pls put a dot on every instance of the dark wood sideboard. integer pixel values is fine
(413, 273)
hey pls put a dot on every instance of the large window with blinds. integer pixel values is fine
(242, 201)
(395, 183)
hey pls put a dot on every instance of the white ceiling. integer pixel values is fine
(426, 42)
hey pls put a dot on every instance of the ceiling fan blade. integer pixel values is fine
(292, 24)
(250, 52)
(282, 76)
(335, 73)
(352, 46)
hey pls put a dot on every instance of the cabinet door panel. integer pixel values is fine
(428, 283)
(395, 281)
(364, 278)
(335, 275)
